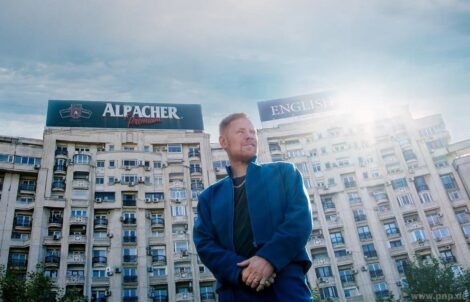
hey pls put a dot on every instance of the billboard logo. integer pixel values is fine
(75, 111)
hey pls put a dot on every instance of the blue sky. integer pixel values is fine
(228, 55)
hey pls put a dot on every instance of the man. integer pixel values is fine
(253, 225)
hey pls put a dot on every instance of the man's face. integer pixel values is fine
(239, 140)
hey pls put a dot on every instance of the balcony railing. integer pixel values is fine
(159, 258)
(129, 239)
(56, 219)
(52, 259)
(99, 260)
(58, 185)
(129, 203)
(101, 222)
(61, 152)
(130, 258)
(28, 187)
(157, 221)
(130, 278)
(60, 168)
(129, 220)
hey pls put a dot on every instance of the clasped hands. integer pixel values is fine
(257, 273)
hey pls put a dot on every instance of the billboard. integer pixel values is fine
(295, 106)
(91, 114)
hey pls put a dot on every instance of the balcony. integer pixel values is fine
(60, 169)
(80, 184)
(337, 243)
(157, 222)
(129, 203)
(197, 186)
(376, 274)
(21, 223)
(360, 218)
(18, 264)
(27, 188)
(58, 186)
(100, 223)
(159, 259)
(181, 256)
(341, 260)
(129, 279)
(449, 259)
(350, 184)
(179, 276)
(129, 258)
(100, 260)
(316, 242)
(393, 233)
(76, 259)
(207, 297)
(194, 154)
(348, 280)
(414, 225)
(129, 220)
(77, 239)
(184, 297)
(195, 171)
(56, 221)
(129, 239)
(103, 281)
(321, 261)
(78, 220)
(61, 153)
(156, 240)
(75, 280)
(52, 260)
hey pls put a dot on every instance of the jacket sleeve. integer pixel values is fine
(292, 235)
(220, 261)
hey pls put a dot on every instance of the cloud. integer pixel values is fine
(227, 55)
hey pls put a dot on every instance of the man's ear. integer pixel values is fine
(223, 141)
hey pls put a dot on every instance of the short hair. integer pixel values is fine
(230, 118)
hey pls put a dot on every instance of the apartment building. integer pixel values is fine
(106, 202)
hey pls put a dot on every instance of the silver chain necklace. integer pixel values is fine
(240, 185)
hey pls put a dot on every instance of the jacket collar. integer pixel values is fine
(253, 161)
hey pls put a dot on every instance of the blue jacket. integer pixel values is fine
(280, 215)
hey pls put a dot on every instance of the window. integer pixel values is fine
(302, 167)
(307, 183)
(295, 153)
(448, 181)
(181, 246)
(146, 148)
(336, 238)
(391, 228)
(178, 211)
(112, 164)
(404, 199)
(399, 183)
(81, 159)
(409, 155)
(127, 163)
(369, 250)
(177, 194)
(111, 147)
(346, 275)
(440, 233)
(364, 233)
(99, 180)
(26, 160)
(129, 178)
(375, 270)
(401, 265)
(316, 167)
(328, 292)
(323, 272)
(100, 163)
(434, 219)
(417, 235)
(394, 244)
(6, 158)
(79, 213)
(174, 148)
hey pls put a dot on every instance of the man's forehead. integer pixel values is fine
(241, 123)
